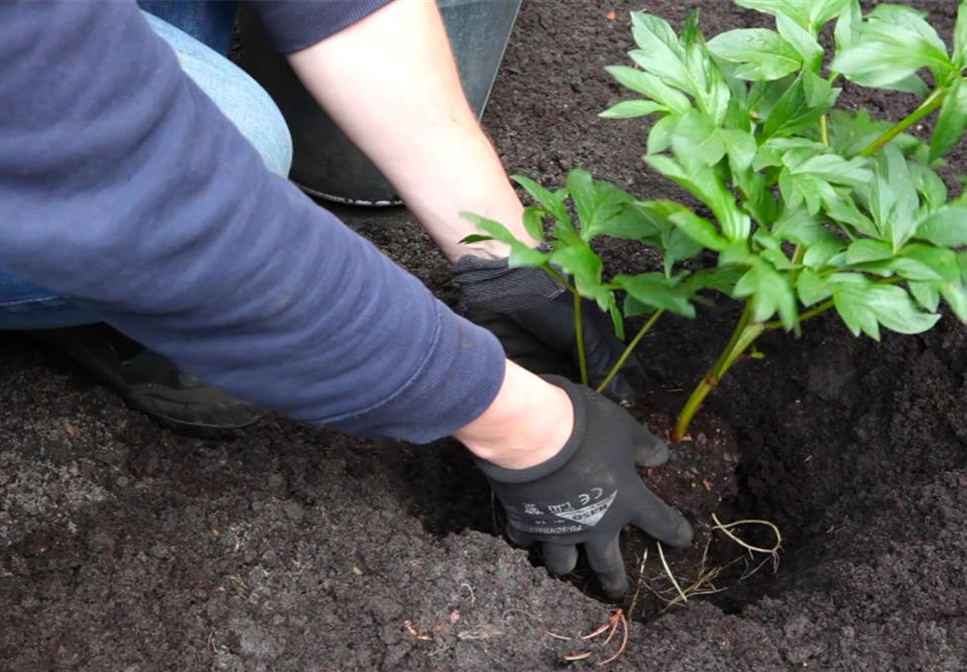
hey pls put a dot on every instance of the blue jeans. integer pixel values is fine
(25, 305)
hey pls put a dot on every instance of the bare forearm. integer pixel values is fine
(390, 82)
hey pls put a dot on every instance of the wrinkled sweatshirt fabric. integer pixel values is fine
(123, 187)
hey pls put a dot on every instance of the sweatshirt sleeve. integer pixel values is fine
(123, 187)
(292, 25)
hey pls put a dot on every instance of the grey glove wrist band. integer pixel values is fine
(548, 467)
(492, 284)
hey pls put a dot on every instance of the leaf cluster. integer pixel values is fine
(805, 207)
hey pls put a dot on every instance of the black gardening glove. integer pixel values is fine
(589, 491)
(533, 316)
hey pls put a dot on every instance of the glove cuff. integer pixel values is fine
(492, 284)
(548, 467)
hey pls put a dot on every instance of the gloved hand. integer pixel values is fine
(589, 491)
(533, 317)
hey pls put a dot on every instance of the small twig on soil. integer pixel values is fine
(641, 576)
(664, 563)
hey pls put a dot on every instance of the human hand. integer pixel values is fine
(533, 317)
(588, 491)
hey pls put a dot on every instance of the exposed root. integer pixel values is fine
(641, 576)
(773, 551)
(616, 621)
(671, 575)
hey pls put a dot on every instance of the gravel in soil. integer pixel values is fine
(125, 547)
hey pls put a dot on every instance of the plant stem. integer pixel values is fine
(823, 131)
(743, 336)
(932, 102)
(630, 348)
(579, 336)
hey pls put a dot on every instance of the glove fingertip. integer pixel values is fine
(683, 535)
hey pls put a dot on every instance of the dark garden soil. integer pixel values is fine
(125, 547)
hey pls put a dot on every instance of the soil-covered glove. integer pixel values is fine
(589, 491)
(533, 317)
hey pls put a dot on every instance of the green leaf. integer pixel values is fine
(699, 229)
(798, 226)
(658, 292)
(660, 137)
(629, 109)
(584, 265)
(596, 201)
(474, 238)
(650, 86)
(806, 99)
(617, 319)
(951, 122)
(864, 305)
(893, 44)
(930, 186)
(941, 262)
(844, 210)
(836, 170)
(893, 198)
(802, 41)
(765, 54)
(820, 254)
(685, 66)
(866, 250)
(810, 14)
(812, 287)
(846, 33)
(770, 292)
(946, 227)
(697, 138)
(927, 294)
(911, 269)
(960, 37)
(956, 297)
(520, 253)
(550, 201)
(720, 279)
(534, 222)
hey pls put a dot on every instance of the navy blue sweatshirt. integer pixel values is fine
(123, 187)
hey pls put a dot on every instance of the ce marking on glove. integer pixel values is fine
(595, 495)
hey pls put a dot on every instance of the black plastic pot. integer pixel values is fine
(326, 163)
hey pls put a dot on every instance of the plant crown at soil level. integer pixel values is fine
(807, 208)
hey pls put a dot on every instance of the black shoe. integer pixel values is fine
(151, 383)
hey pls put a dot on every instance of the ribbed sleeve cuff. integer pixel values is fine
(292, 25)
(456, 382)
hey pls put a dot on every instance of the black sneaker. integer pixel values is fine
(151, 383)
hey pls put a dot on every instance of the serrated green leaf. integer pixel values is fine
(629, 109)
(802, 41)
(764, 53)
(946, 227)
(550, 201)
(520, 253)
(960, 37)
(771, 293)
(650, 86)
(658, 292)
(812, 287)
(951, 122)
(866, 250)
(927, 294)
